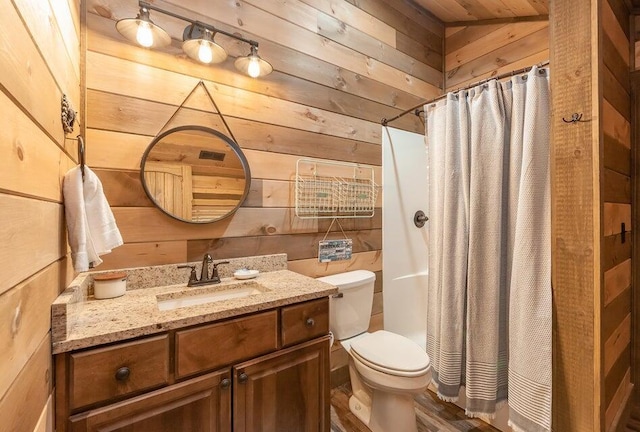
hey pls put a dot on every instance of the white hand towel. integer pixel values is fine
(76, 218)
(91, 226)
(102, 225)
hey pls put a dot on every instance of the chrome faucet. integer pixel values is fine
(204, 272)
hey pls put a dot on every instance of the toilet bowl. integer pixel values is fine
(386, 370)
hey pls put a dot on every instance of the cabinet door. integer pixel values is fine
(287, 391)
(199, 405)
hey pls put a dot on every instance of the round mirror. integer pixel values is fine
(195, 174)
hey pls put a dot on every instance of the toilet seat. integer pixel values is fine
(392, 354)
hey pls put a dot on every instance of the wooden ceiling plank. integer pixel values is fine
(542, 6)
(456, 11)
(507, 20)
(499, 9)
(475, 9)
(520, 7)
(445, 10)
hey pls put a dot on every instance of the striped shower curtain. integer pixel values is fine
(489, 302)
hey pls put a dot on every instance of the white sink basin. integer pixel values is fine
(198, 296)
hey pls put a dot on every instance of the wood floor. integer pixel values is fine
(433, 415)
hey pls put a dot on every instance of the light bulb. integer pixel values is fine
(144, 35)
(205, 55)
(254, 67)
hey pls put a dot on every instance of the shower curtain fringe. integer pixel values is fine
(418, 108)
(487, 417)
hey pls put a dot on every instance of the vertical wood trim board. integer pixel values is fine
(575, 156)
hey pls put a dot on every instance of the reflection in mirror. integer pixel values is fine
(195, 174)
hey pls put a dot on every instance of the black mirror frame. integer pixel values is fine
(234, 146)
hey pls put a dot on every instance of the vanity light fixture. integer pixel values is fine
(142, 30)
(253, 65)
(198, 40)
(201, 47)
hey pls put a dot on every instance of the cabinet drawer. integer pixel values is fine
(305, 321)
(106, 373)
(217, 345)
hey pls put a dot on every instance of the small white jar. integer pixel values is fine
(109, 285)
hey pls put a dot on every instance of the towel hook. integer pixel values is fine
(575, 118)
(68, 115)
(81, 154)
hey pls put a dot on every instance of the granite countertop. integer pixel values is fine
(81, 321)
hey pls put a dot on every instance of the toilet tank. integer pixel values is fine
(350, 310)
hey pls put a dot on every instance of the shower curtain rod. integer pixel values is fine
(418, 108)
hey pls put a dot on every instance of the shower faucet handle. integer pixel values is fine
(419, 219)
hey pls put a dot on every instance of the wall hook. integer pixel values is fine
(575, 118)
(81, 155)
(68, 115)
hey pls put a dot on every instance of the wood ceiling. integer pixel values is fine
(472, 10)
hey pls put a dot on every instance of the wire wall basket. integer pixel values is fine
(334, 190)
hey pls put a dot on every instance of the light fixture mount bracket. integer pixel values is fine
(193, 31)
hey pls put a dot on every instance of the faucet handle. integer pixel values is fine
(193, 277)
(215, 277)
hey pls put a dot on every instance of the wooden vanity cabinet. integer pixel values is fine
(118, 370)
(202, 404)
(284, 391)
(213, 346)
(267, 371)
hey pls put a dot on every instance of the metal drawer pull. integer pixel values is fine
(225, 383)
(339, 295)
(123, 373)
(243, 378)
(310, 322)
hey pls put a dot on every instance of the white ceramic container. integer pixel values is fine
(109, 285)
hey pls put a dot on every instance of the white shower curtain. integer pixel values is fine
(489, 302)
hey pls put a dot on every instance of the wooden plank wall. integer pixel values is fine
(615, 181)
(40, 44)
(340, 66)
(479, 52)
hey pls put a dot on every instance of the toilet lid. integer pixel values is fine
(391, 353)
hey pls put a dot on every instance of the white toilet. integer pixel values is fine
(386, 369)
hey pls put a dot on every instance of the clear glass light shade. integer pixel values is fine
(204, 50)
(253, 65)
(143, 32)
